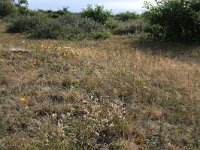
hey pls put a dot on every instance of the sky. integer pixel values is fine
(77, 5)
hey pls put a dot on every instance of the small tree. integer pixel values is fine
(98, 13)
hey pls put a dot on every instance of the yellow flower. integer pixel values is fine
(26, 107)
(58, 48)
(42, 46)
(72, 51)
(22, 99)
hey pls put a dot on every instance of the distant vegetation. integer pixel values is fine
(67, 27)
(125, 16)
(98, 14)
(169, 20)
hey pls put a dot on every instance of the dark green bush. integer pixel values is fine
(98, 14)
(7, 8)
(174, 20)
(125, 16)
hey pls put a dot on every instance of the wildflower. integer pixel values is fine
(58, 48)
(72, 51)
(26, 107)
(42, 45)
(22, 99)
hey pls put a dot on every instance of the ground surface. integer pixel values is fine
(120, 93)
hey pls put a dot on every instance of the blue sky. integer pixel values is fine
(77, 5)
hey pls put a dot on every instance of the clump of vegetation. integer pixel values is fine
(98, 14)
(68, 27)
(112, 23)
(12, 8)
(7, 8)
(125, 16)
(174, 20)
(130, 27)
(23, 24)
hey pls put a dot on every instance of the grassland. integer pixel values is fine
(120, 93)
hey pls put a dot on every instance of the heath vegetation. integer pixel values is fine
(69, 81)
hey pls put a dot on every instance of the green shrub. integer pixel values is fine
(23, 10)
(174, 20)
(112, 23)
(130, 27)
(125, 16)
(68, 27)
(98, 14)
(24, 23)
(7, 8)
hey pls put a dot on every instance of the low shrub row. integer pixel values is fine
(68, 27)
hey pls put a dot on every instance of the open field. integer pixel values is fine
(120, 93)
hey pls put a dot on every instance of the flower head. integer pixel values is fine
(58, 48)
(26, 107)
(22, 99)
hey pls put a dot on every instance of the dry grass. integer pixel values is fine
(114, 94)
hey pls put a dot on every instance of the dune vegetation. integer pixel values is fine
(98, 86)
(120, 93)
